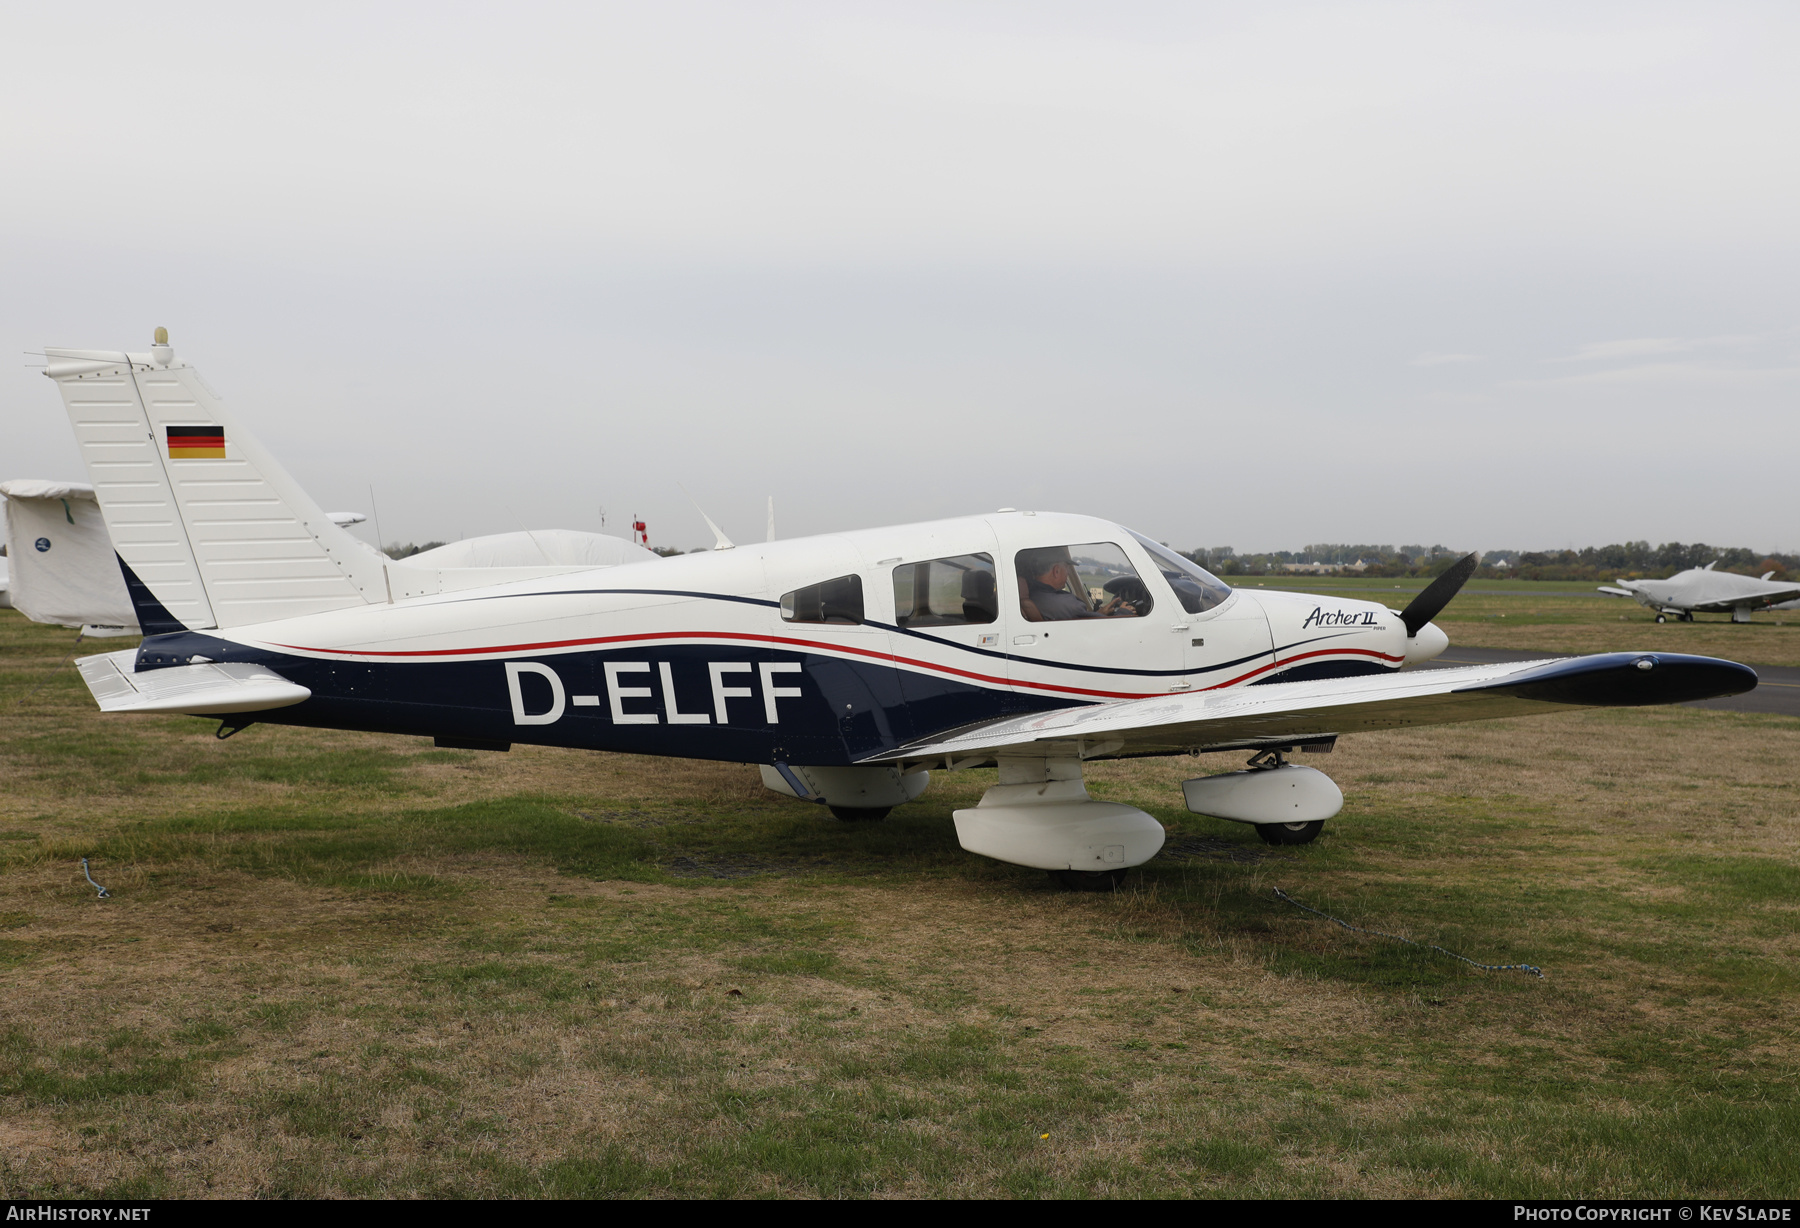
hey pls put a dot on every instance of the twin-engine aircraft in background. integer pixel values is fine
(846, 666)
(1701, 590)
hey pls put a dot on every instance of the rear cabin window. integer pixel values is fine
(1094, 580)
(950, 592)
(829, 601)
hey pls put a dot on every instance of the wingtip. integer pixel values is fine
(1628, 680)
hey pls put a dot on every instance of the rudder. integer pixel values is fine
(207, 523)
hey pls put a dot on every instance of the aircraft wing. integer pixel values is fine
(1773, 592)
(1282, 714)
(198, 690)
(1610, 591)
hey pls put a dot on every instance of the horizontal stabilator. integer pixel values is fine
(1626, 679)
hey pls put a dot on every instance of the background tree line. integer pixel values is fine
(1626, 560)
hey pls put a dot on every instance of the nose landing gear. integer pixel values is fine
(1290, 833)
(1287, 804)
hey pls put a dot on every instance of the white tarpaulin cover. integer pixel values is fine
(63, 569)
(537, 548)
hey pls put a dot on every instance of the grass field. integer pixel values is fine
(340, 964)
(1555, 616)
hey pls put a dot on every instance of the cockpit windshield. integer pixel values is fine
(1197, 588)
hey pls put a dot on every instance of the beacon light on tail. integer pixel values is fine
(847, 665)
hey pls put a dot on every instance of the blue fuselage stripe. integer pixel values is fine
(1194, 672)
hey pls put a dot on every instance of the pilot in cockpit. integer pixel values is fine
(1046, 589)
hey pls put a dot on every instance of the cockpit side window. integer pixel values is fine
(1196, 588)
(948, 592)
(1096, 580)
(829, 601)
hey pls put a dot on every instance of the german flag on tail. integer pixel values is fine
(196, 442)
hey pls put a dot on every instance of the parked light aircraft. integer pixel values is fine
(1701, 590)
(846, 665)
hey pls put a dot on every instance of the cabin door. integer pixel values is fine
(1083, 626)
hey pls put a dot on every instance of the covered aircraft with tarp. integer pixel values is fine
(61, 567)
(1702, 590)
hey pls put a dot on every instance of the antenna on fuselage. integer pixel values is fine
(720, 541)
(772, 518)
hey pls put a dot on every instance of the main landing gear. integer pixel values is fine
(860, 814)
(1039, 814)
(1681, 616)
(1089, 880)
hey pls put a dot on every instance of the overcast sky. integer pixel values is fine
(1496, 275)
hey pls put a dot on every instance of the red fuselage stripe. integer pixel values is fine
(861, 652)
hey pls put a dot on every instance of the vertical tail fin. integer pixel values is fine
(206, 523)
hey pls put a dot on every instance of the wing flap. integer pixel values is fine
(1308, 711)
(197, 690)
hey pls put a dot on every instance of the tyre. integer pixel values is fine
(1290, 833)
(860, 814)
(1661, 619)
(1089, 880)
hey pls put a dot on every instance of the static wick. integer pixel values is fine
(104, 893)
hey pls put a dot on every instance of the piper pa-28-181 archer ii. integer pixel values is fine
(845, 665)
(1701, 590)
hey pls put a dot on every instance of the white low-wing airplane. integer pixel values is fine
(845, 665)
(1701, 590)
